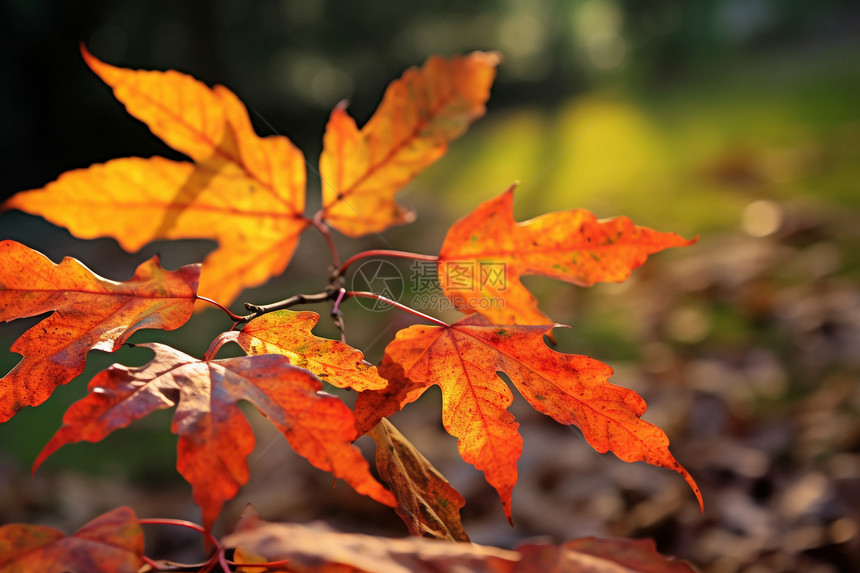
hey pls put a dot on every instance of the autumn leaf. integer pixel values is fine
(111, 543)
(419, 115)
(246, 192)
(214, 437)
(90, 312)
(252, 560)
(485, 254)
(289, 333)
(463, 359)
(426, 502)
(596, 555)
(319, 549)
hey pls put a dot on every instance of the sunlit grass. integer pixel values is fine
(689, 160)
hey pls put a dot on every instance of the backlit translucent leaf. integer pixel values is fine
(90, 312)
(289, 333)
(245, 192)
(214, 437)
(486, 252)
(463, 359)
(420, 114)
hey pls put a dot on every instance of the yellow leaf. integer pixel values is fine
(289, 333)
(246, 192)
(419, 115)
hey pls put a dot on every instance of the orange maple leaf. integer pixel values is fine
(463, 359)
(486, 252)
(246, 192)
(214, 437)
(111, 542)
(289, 333)
(419, 115)
(90, 312)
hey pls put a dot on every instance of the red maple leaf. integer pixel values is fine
(463, 359)
(111, 542)
(214, 436)
(486, 252)
(90, 312)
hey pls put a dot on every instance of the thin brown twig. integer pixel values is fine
(295, 300)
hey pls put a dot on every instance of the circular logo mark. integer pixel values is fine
(381, 277)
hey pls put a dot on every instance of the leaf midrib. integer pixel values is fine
(100, 293)
(192, 206)
(431, 116)
(583, 402)
(217, 150)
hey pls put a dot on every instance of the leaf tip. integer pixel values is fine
(99, 68)
(90, 59)
(49, 449)
(491, 58)
(698, 495)
(692, 483)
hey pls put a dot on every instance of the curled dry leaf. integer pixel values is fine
(426, 502)
(246, 192)
(214, 437)
(315, 548)
(90, 312)
(420, 114)
(486, 252)
(111, 543)
(463, 359)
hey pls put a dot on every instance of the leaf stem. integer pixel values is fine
(386, 300)
(320, 225)
(234, 317)
(266, 565)
(385, 253)
(181, 523)
(217, 557)
(334, 290)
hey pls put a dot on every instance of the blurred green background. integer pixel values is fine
(734, 120)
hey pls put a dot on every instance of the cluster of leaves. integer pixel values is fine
(248, 194)
(114, 542)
